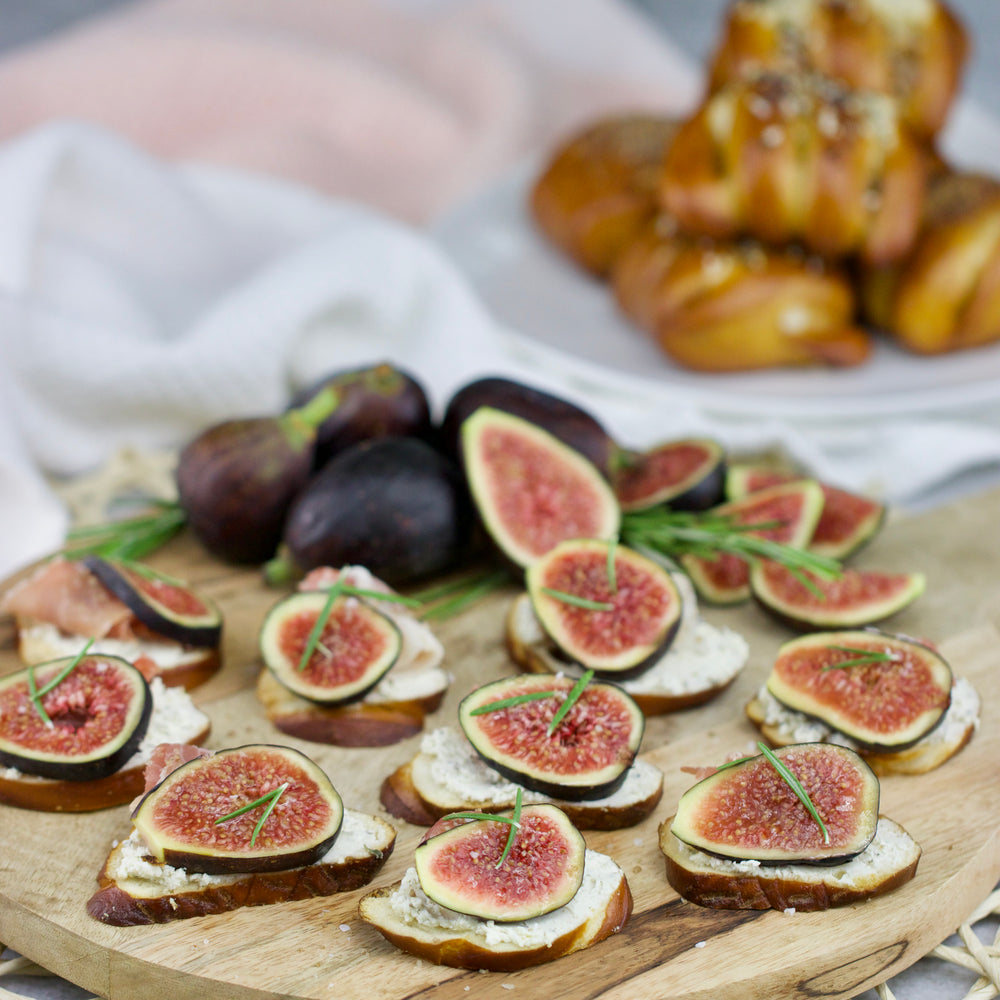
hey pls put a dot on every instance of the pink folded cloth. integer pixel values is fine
(404, 104)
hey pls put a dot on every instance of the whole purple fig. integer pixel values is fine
(237, 479)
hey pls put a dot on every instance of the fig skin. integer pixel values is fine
(376, 401)
(187, 853)
(563, 419)
(203, 629)
(237, 479)
(546, 828)
(642, 481)
(101, 762)
(394, 505)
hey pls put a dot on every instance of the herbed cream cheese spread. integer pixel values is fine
(457, 768)
(357, 837)
(601, 877)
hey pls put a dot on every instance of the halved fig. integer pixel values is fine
(605, 606)
(254, 808)
(167, 606)
(352, 649)
(785, 513)
(587, 755)
(854, 598)
(86, 727)
(884, 691)
(749, 811)
(531, 490)
(461, 868)
(848, 522)
(688, 474)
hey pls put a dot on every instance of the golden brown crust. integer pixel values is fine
(919, 64)
(718, 306)
(359, 724)
(789, 158)
(539, 657)
(52, 795)
(945, 295)
(465, 953)
(765, 888)
(113, 904)
(599, 187)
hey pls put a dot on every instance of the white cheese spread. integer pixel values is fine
(601, 877)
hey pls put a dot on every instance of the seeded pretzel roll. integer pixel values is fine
(945, 295)
(718, 306)
(599, 187)
(912, 50)
(796, 158)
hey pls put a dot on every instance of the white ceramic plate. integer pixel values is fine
(552, 305)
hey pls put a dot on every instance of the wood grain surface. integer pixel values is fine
(670, 948)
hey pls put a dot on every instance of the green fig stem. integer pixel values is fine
(299, 425)
(280, 570)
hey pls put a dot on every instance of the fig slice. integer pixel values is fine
(785, 513)
(463, 867)
(747, 811)
(587, 755)
(883, 691)
(531, 490)
(89, 724)
(848, 522)
(352, 649)
(167, 606)
(688, 474)
(197, 818)
(607, 607)
(854, 598)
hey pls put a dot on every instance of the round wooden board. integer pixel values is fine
(321, 949)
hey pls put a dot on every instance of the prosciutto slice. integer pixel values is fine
(67, 595)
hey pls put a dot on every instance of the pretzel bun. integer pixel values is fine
(797, 158)
(599, 187)
(722, 306)
(912, 50)
(945, 295)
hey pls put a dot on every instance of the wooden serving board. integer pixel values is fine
(321, 949)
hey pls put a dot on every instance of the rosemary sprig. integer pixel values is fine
(512, 702)
(128, 538)
(612, 574)
(514, 822)
(36, 694)
(677, 533)
(788, 778)
(271, 798)
(578, 602)
(570, 700)
(455, 596)
(862, 657)
(339, 589)
(796, 786)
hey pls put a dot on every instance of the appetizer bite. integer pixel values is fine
(129, 610)
(501, 893)
(891, 698)
(76, 733)
(245, 826)
(699, 661)
(541, 736)
(347, 663)
(796, 828)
